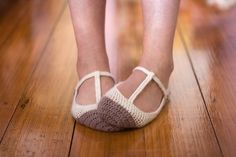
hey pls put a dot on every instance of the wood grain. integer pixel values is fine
(43, 126)
(11, 12)
(183, 128)
(21, 52)
(209, 37)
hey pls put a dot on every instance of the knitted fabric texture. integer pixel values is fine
(112, 113)
(87, 114)
(117, 110)
(92, 120)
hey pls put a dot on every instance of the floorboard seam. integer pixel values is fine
(35, 67)
(199, 86)
(71, 142)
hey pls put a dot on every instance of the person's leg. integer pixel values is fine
(88, 19)
(159, 29)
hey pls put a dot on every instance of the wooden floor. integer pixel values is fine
(37, 77)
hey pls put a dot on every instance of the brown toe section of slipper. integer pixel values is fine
(92, 120)
(114, 114)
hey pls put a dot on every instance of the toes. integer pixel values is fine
(92, 120)
(114, 114)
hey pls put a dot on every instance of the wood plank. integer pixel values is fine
(14, 10)
(43, 126)
(101, 144)
(21, 52)
(182, 129)
(210, 39)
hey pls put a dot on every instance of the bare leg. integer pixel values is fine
(159, 28)
(88, 20)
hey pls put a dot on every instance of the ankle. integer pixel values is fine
(158, 64)
(84, 68)
(162, 67)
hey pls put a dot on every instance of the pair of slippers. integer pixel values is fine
(113, 111)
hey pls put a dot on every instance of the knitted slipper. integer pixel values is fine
(120, 111)
(87, 114)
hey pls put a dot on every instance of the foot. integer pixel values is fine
(117, 107)
(84, 108)
(150, 98)
(86, 92)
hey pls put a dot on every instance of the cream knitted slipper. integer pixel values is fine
(87, 114)
(117, 110)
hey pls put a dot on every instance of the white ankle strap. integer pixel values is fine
(97, 80)
(150, 76)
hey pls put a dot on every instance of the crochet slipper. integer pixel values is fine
(117, 110)
(87, 114)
